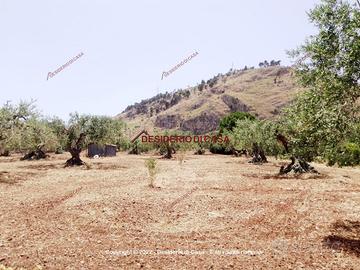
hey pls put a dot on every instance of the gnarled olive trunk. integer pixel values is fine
(75, 151)
(258, 155)
(297, 165)
(37, 154)
(169, 151)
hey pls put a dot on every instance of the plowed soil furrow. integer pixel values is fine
(106, 216)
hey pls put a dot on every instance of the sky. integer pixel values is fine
(127, 45)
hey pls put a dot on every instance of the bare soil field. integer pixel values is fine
(211, 212)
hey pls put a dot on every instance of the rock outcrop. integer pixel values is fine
(234, 104)
(167, 121)
(206, 122)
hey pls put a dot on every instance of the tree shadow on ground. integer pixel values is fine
(291, 176)
(42, 167)
(345, 236)
(106, 166)
(12, 178)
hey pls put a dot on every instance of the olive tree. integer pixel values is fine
(328, 65)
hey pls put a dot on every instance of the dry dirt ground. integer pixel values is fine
(211, 212)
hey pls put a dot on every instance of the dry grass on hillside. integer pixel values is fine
(230, 213)
(247, 86)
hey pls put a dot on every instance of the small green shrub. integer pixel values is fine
(347, 155)
(150, 164)
(138, 147)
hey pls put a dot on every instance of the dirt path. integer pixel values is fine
(212, 212)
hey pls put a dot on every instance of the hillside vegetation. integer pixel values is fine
(262, 92)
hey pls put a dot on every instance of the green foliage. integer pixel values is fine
(315, 126)
(124, 144)
(200, 148)
(229, 121)
(13, 117)
(224, 148)
(36, 133)
(177, 146)
(58, 128)
(216, 148)
(139, 147)
(348, 154)
(150, 164)
(322, 118)
(22, 128)
(98, 129)
(247, 132)
(226, 126)
(332, 57)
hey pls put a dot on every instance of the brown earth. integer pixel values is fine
(227, 212)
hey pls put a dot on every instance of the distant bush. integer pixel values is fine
(272, 63)
(201, 85)
(124, 144)
(138, 147)
(229, 121)
(186, 93)
(212, 81)
(222, 149)
(348, 155)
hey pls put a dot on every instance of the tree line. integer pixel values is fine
(323, 122)
(23, 129)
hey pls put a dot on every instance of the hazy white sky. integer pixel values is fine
(128, 44)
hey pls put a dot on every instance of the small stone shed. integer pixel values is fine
(108, 150)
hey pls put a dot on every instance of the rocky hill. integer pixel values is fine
(262, 91)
